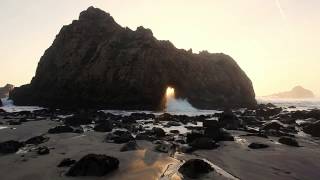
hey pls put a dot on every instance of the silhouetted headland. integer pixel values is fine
(297, 92)
(94, 62)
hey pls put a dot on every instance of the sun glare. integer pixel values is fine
(169, 92)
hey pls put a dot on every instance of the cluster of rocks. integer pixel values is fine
(13, 146)
(203, 132)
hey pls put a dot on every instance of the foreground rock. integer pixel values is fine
(289, 141)
(78, 119)
(37, 140)
(258, 146)
(129, 146)
(229, 120)
(313, 129)
(94, 62)
(43, 150)
(94, 165)
(60, 129)
(273, 125)
(203, 143)
(195, 168)
(119, 137)
(105, 126)
(315, 113)
(10, 147)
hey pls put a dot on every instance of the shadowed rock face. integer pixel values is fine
(4, 91)
(94, 62)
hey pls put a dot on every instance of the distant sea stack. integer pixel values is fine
(4, 91)
(297, 92)
(94, 62)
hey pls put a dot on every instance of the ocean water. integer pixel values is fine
(300, 104)
(182, 107)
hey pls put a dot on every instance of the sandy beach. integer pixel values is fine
(232, 159)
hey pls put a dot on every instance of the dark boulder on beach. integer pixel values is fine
(60, 129)
(129, 146)
(94, 62)
(94, 165)
(104, 126)
(1, 103)
(119, 137)
(203, 143)
(158, 132)
(312, 129)
(37, 140)
(289, 141)
(229, 120)
(195, 168)
(43, 150)
(255, 145)
(314, 113)
(11, 146)
(78, 119)
(272, 125)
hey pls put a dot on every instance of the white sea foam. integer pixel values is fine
(179, 105)
(3, 127)
(8, 106)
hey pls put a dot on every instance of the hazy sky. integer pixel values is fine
(276, 42)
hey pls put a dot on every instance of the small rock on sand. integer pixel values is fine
(288, 141)
(60, 129)
(129, 146)
(37, 140)
(195, 168)
(43, 150)
(258, 146)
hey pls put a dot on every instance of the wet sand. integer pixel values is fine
(234, 158)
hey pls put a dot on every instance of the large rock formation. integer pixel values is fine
(4, 91)
(297, 92)
(95, 62)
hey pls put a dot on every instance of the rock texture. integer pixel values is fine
(195, 168)
(94, 165)
(95, 62)
(296, 92)
(4, 91)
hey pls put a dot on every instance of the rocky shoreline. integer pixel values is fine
(262, 143)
